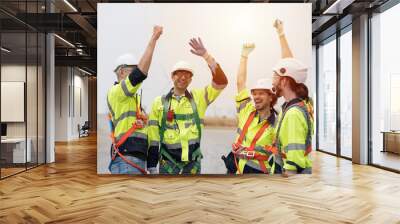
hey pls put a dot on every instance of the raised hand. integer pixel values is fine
(157, 31)
(247, 49)
(197, 47)
(279, 26)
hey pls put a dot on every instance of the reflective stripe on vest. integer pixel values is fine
(166, 100)
(243, 104)
(302, 108)
(179, 145)
(135, 134)
(125, 90)
(123, 116)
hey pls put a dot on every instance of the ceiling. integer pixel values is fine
(76, 22)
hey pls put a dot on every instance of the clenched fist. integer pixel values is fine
(278, 26)
(157, 31)
(247, 49)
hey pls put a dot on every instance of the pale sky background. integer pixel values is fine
(126, 28)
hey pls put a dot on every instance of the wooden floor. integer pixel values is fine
(387, 159)
(70, 191)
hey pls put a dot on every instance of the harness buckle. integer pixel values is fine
(250, 154)
(114, 152)
(139, 124)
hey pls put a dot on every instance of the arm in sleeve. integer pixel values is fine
(242, 100)
(219, 80)
(153, 134)
(129, 86)
(209, 94)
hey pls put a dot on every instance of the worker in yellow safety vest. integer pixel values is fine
(127, 119)
(294, 129)
(176, 119)
(251, 150)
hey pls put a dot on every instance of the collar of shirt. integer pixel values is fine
(287, 104)
(270, 119)
(178, 98)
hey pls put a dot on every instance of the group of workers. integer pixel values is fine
(169, 137)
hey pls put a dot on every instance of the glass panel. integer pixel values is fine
(346, 94)
(13, 87)
(31, 99)
(385, 86)
(327, 97)
(41, 98)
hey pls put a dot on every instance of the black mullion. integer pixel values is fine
(26, 87)
(369, 97)
(338, 93)
(37, 90)
(45, 89)
(0, 94)
(45, 95)
(73, 91)
(317, 100)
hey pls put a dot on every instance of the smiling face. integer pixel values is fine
(262, 99)
(181, 79)
(124, 71)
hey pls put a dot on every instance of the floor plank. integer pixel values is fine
(70, 191)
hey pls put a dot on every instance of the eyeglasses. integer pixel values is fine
(186, 75)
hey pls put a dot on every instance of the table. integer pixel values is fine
(16, 147)
(391, 141)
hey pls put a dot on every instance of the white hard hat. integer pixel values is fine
(125, 59)
(262, 84)
(182, 65)
(293, 68)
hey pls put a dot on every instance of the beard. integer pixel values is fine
(261, 106)
(277, 90)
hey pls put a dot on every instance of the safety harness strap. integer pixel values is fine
(249, 151)
(196, 155)
(258, 136)
(139, 124)
(246, 127)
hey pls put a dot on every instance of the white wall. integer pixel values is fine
(33, 126)
(12, 73)
(68, 82)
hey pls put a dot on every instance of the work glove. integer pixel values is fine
(279, 27)
(247, 49)
(152, 170)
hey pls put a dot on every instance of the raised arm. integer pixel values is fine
(219, 80)
(145, 61)
(285, 49)
(242, 72)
